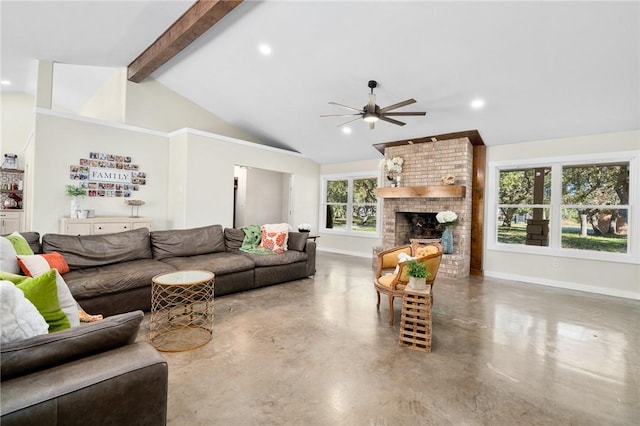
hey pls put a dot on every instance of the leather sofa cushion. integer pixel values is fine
(187, 242)
(85, 251)
(233, 238)
(33, 238)
(48, 350)
(286, 258)
(297, 240)
(108, 279)
(218, 263)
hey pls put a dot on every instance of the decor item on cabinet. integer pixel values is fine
(448, 180)
(135, 204)
(304, 227)
(393, 167)
(447, 219)
(74, 192)
(10, 161)
(418, 274)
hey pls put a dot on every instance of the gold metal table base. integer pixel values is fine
(181, 310)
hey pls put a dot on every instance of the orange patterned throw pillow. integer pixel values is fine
(275, 236)
(36, 264)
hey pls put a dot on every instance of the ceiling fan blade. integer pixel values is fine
(391, 120)
(392, 114)
(339, 115)
(398, 105)
(344, 106)
(347, 122)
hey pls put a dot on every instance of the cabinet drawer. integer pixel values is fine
(10, 215)
(78, 229)
(109, 228)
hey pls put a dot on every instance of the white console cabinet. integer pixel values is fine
(102, 225)
(10, 221)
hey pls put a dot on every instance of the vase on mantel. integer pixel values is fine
(447, 240)
(74, 207)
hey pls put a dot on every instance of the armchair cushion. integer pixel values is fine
(388, 280)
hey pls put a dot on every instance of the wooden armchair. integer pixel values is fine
(391, 276)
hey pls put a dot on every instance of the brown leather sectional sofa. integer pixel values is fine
(91, 374)
(96, 372)
(112, 273)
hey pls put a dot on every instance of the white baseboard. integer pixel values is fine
(565, 284)
(349, 253)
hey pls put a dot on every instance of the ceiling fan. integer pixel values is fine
(372, 112)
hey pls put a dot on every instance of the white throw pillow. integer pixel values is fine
(402, 257)
(67, 303)
(8, 257)
(19, 319)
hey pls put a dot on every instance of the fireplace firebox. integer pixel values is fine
(416, 225)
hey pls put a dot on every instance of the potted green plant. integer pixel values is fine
(74, 192)
(418, 273)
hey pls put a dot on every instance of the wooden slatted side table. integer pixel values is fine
(415, 323)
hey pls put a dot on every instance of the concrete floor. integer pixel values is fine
(317, 352)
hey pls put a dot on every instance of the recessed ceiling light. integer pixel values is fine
(477, 103)
(265, 49)
(346, 130)
(5, 83)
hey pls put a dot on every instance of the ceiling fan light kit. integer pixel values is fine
(371, 113)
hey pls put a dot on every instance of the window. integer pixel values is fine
(595, 207)
(350, 205)
(525, 195)
(571, 207)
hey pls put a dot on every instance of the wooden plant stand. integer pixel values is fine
(415, 324)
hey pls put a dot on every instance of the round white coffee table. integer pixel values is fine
(181, 310)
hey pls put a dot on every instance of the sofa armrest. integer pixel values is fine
(127, 385)
(310, 249)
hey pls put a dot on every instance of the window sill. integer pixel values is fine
(566, 253)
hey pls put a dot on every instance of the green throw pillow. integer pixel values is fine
(42, 291)
(20, 244)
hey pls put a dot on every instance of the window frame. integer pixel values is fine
(555, 207)
(349, 177)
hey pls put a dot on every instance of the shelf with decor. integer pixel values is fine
(11, 191)
(426, 191)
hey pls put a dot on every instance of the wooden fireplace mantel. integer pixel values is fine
(430, 191)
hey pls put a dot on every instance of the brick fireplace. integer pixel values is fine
(421, 194)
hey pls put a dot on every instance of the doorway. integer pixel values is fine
(260, 196)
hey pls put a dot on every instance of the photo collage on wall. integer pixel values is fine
(107, 175)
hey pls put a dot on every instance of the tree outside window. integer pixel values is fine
(593, 206)
(351, 204)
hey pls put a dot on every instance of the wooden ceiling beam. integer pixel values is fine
(201, 16)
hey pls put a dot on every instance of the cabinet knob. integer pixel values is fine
(125, 227)
(99, 227)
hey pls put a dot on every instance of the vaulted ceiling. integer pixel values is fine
(544, 69)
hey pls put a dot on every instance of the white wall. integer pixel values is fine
(613, 278)
(109, 101)
(61, 140)
(352, 245)
(152, 105)
(17, 121)
(189, 173)
(211, 162)
(264, 197)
